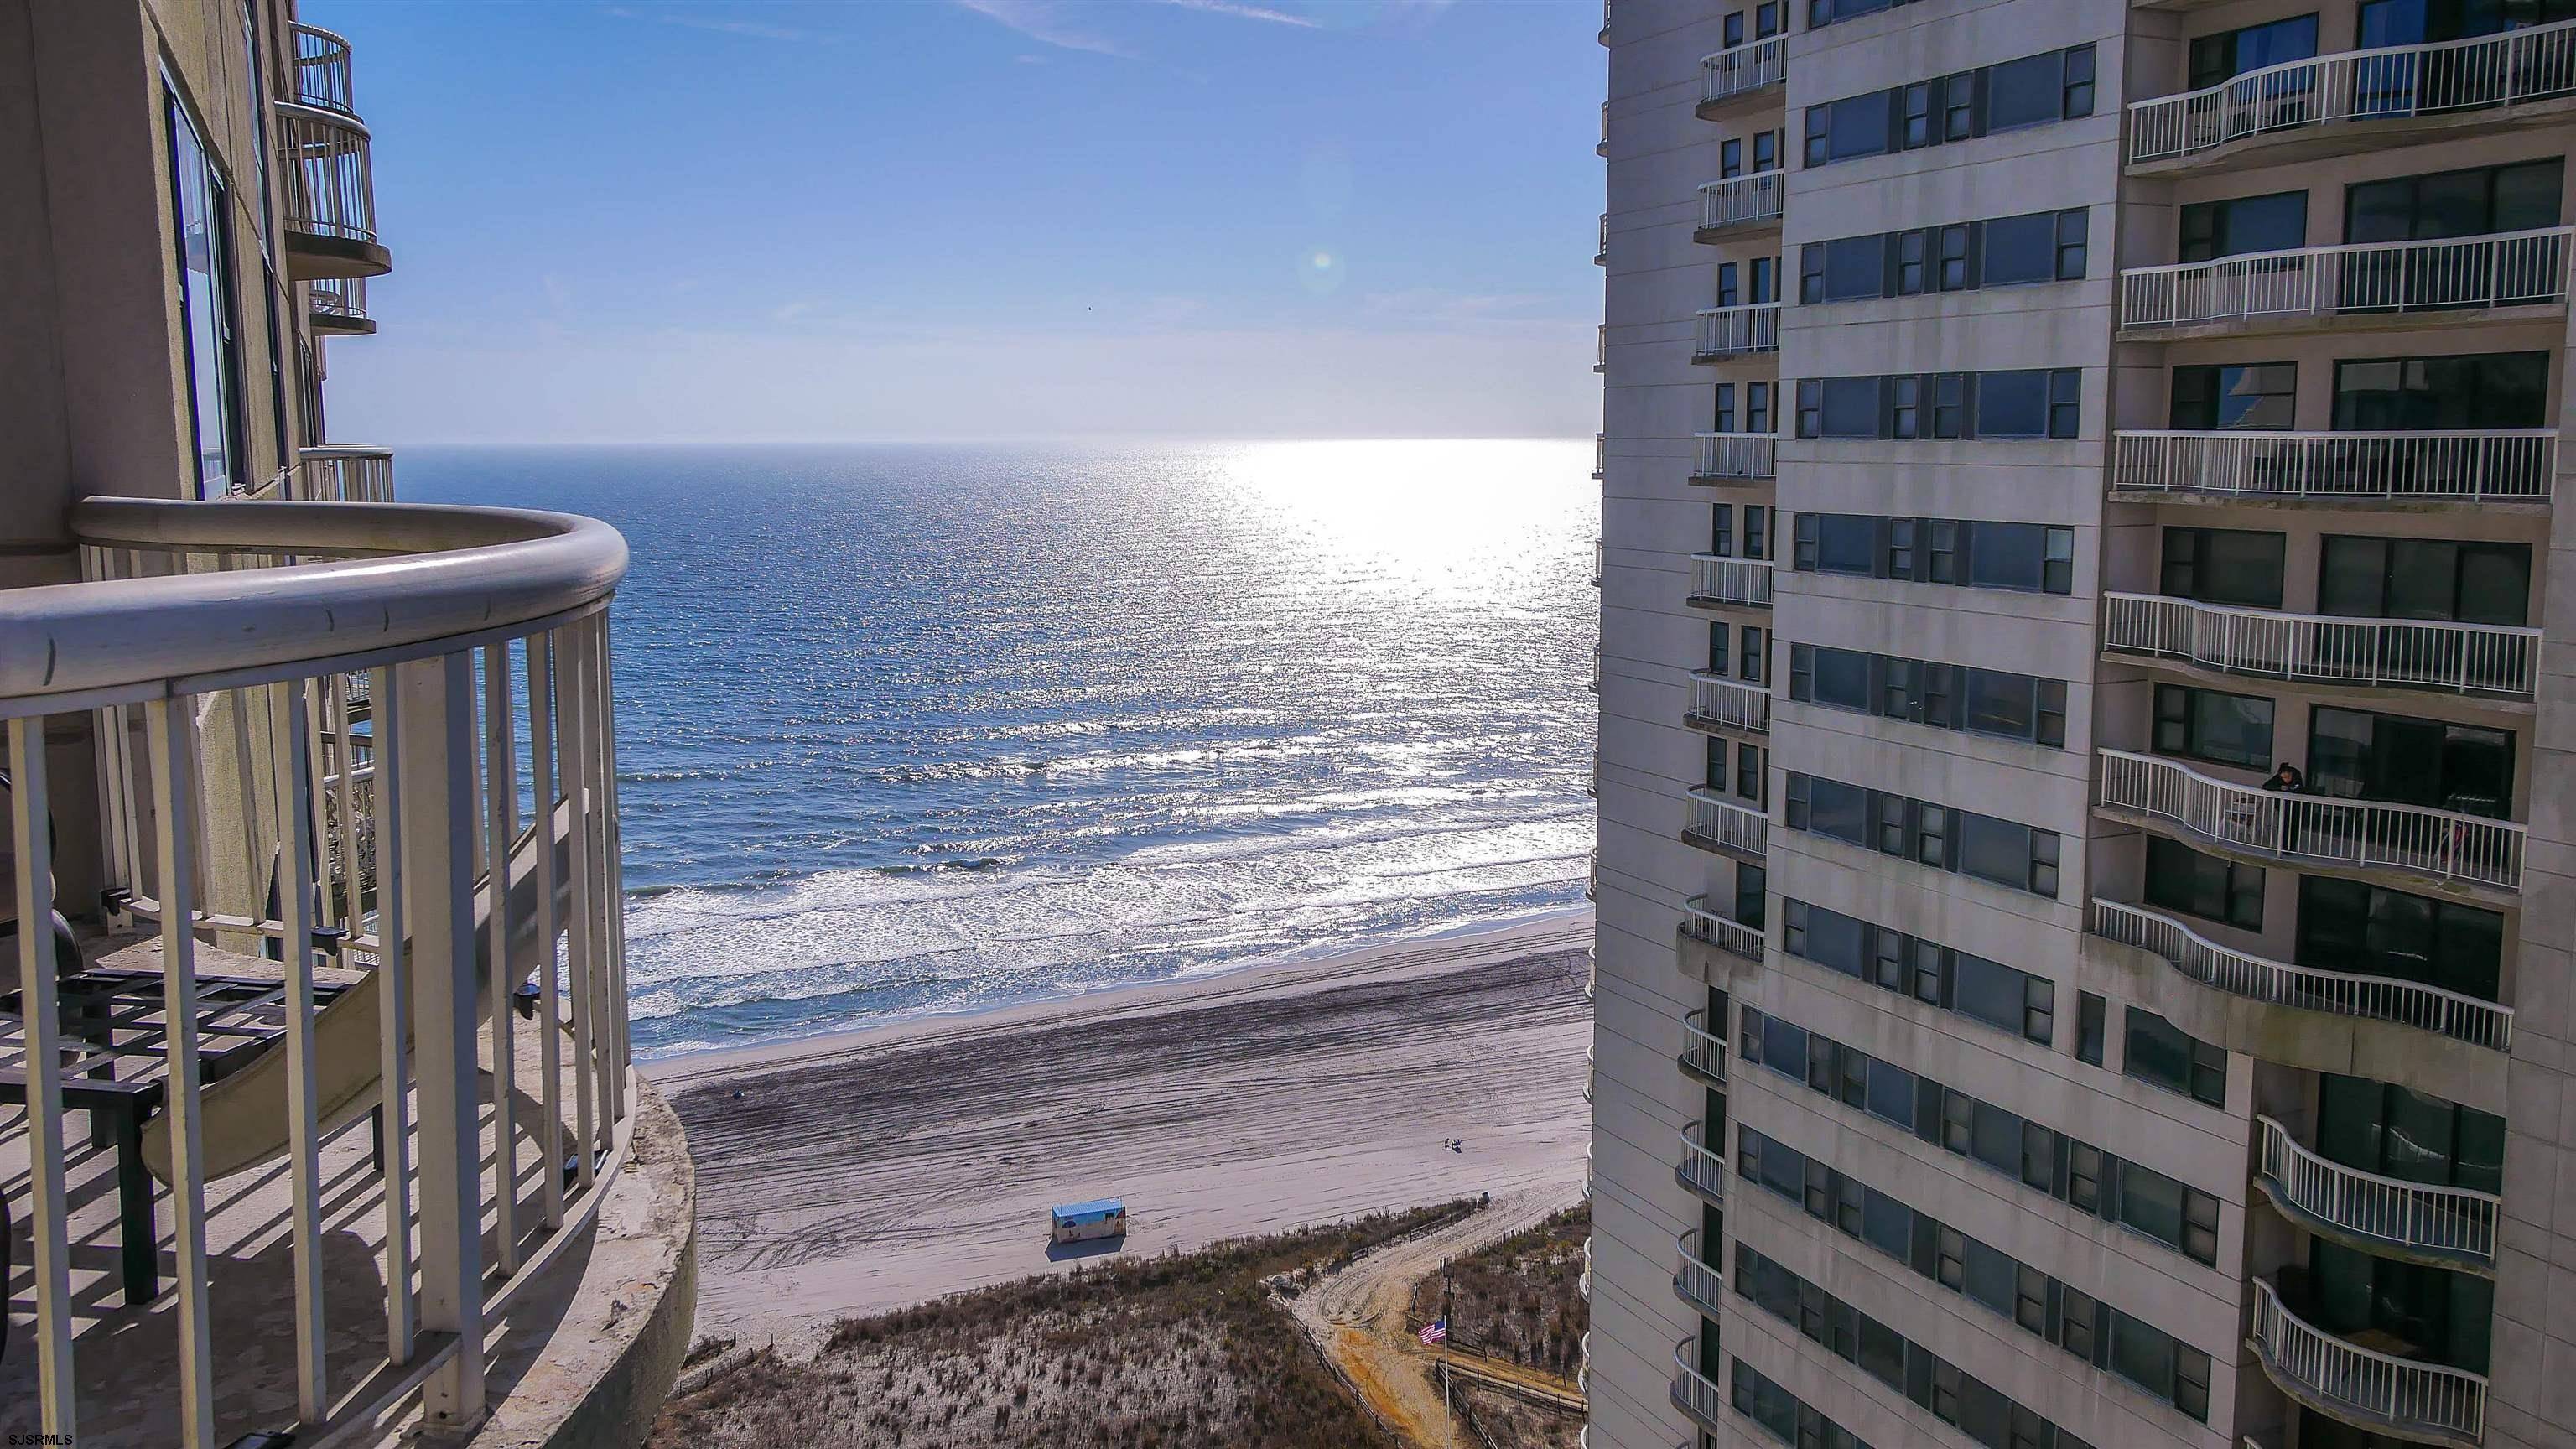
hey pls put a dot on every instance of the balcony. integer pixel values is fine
(1719, 581)
(2513, 466)
(1587, 1073)
(2331, 104)
(1740, 204)
(2447, 1226)
(331, 473)
(1695, 1394)
(1720, 824)
(2476, 659)
(1702, 923)
(2444, 846)
(1703, 1056)
(379, 957)
(2363, 1386)
(1605, 22)
(1729, 332)
(1695, 1282)
(1720, 703)
(2337, 993)
(1735, 76)
(1701, 1170)
(1597, 662)
(1600, 455)
(1603, 149)
(2374, 284)
(1734, 458)
(1600, 562)
(1601, 252)
(1601, 348)
(338, 307)
(328, 195)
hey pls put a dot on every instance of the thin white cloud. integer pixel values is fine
(1242, 12)
(751, 29)
(1039, 21)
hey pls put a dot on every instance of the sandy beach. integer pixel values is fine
(857, 1173)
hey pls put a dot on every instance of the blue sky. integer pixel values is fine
(702, 220)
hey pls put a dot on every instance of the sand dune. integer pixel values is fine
(855, 1174)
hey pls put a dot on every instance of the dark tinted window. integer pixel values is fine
(2425, 578)
(2213, 398)
(2351, 926)
(2224, 566)
(2355, 754)
(2180, 878)
(2025, 92)
(2012, 404)
(2277, 222)
(2224, 729)
(2160, 1052)
(2215, 58)
(2521, 197)
(1845, 543)
(2020, 249)
(2466, 392)
(1850, 407)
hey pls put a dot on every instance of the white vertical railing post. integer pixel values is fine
(166, 723)
(541, 776)
(500, 802)
(393, 1015)
(623, 1040)
(32, 833)
(294, 783)
(572, 743)
(436, 699)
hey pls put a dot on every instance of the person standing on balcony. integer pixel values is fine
(2286, 780)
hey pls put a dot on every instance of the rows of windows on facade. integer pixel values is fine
(218, 212)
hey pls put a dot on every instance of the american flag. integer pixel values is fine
(1437, 1330)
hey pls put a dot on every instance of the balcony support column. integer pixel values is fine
(435, 699)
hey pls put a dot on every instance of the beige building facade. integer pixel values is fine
(2027, 424)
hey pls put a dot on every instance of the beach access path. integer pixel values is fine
(850, 1175)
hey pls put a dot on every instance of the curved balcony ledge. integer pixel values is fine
(2351, 100)
(2478, 660)
(341, 473)
(2318, 1021)
(1734, 458)
(327, 196)
(405, 986)
(1741, 75)
(1587, 1073)
(1720, 703)
(1741, 205)
(1702, 922)
(1695, 1283)
(1695, 1394)
(1702, 1056)
(2469, 854)
(1720, 824)
(1700, 1170)
(1732, 583)
(2375, 285)
(2447, 1227)
(1726, 333)
(2362, 1386)
(322, 69)
(2341, 470)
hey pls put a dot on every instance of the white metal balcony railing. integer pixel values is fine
(1587, 1073)
(2510, 68)
(1603, 147)
(1601, 347)
(1701, 1169)
(1600, 562)
(1694, 1393)
(340, 303)
(1600, 454)
(1743, 69)
(1702, 1055)
(1753, 457)
(1726, 824)
(322, 69)
(2307, 988)
(1583, 1284)
(1742, 201)
(2497, 465)
(211, 671)
(1738, 331)
(2323, 829)
(333, 473)
(2416, 1216)
(2324, 649)
(2412, 1396)
(1597, 663)
(1724, 580)
(328, 187)
(1730, 703)
(1698, 1283)
(1704, 923)
(1601, 252)
(2510, 269)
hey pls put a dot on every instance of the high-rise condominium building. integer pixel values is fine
(318, 1121)
(2028, 424)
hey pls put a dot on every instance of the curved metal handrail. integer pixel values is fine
(1696, 1281)
(2414, 1396)
(407, 574)
(2419, 1216)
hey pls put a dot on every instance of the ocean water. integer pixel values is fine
(913, 729)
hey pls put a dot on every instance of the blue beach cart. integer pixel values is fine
(1083, 1221)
